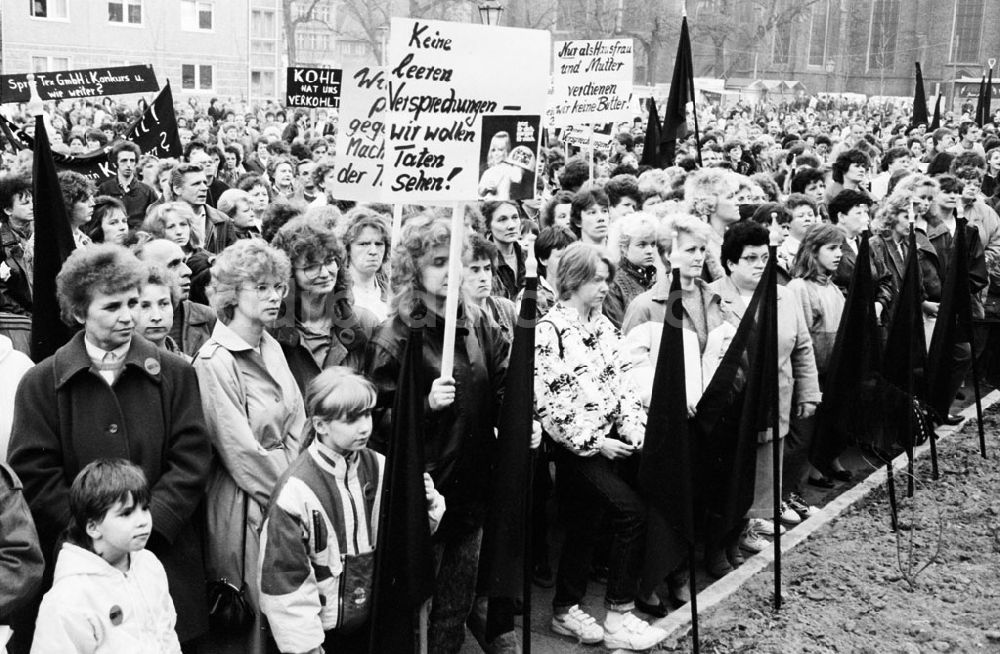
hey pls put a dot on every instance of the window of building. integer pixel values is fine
(49, 9)
(818, 33)
(125, 12)
(49, 64)
(967, 35)
(353, 48)
(782, 44)
(197, 77)
(197, 15)
(320, 12)
(882, 35)
(262, 24)
(262, 83)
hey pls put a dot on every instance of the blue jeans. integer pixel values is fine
(589, 487)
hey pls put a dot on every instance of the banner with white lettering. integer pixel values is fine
(86, 83)
(592, 81)
(442, 78)
(508, 157)
(360, 159)
(313, 87)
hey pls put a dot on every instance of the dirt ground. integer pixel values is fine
(856, 586)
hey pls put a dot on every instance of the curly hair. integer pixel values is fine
(360, 218)
(12, 186)
(156, 220)
(420, 236)
(702, 188)
(157, 275)
(273, 164)
(892, 206)
(75, 188)
(276, 216)
(634, 226)
(308, 239)
(247, 260)
(489, 207)
(99, 268)
(229, 201)
(549, 211)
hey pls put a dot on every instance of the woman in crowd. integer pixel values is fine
(366, 241)
(637, 267)
(322, 326)
(745, 257)
(589, 216)
(478, 285)
(155, 312)
(503, 227)
(174, 221)
(589, 408)
(148, 167)
(109, 224)
(119, 396)
(164, 169)
(235, 204)
(281, 172)
(709, 194)
(461, 411)
(260, 194)
(557, 210)
(255, 416)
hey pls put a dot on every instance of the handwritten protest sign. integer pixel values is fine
(442, 78)
(361, 137)
(592, 81)
(313, 87)
(85, 83)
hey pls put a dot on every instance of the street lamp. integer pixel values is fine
(489, 12)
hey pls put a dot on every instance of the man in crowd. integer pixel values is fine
(135, 195)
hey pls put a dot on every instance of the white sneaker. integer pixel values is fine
(762, 526)
(789, 516)
(752, 541)
(634, 633)
(578, 624)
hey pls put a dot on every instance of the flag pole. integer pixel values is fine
(591, 153)
(772, 318)
(694, 109)
(423, 621)
(890, 483)
(454, 286)
(527, 573)
(910, 384)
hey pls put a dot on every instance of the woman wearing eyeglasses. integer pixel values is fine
(322, 326)
(255, 415)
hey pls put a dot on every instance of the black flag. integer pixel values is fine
(988, 99)
(403, 577)
(156, 130)
(953, 323)
(936, 121)
(668, 457)
(681, 92)
(981, 101)
(734, 410)
(651, 154)
(53, 243)
(919, 100)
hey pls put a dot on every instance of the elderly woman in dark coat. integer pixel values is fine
(110, 393)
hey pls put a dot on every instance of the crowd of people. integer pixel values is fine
(221, 415)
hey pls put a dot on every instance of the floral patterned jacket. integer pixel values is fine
(582, 394)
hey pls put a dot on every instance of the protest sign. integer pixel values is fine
(86, 83)
(508, 156)
(592, 81)
(581, 137)
(442, 78)
(313, 87)
(361, 137)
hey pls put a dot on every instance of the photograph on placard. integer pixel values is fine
(508, 156)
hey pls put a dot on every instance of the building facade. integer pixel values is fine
(201, 46)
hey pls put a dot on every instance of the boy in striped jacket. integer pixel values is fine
(318, 539)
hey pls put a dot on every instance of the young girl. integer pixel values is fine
(334, 478)
(823, 304)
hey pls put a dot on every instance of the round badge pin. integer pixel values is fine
(152, 366)
(116, 615)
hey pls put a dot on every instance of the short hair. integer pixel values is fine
(337, 393)
(677, 224)
(103, 205)
(553, 237)
(320, 172)
(968, 173)
(549, 210)
(246, 260)
(633, 226)
(951, 184)
(276, 215)
(97, 488)
(625, 139)
(228, 201)
(480, 249)
(940, 163)
(578, 265)
(180, 170)
(843, 202)
(940, 133)
(192, 145)
(709, 182)
(123, 146)
(489, 207)
(764, 213)
(804, 177)
(891, 156)
(583, 199)
(846, 159)
(309, 239)
(156, 220)
(806, 265)
(768, 185)
(964, 128)
(273, 164)
(623, 186)
(968, 159)
(654, 182)
(157, 275)
(102, 267)
(360, 218)
(574, 174)
(94, 134)
(74, 188)
(796, 200)
(236, 150)
(248, 181)
(12, 186)
(745, 233)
